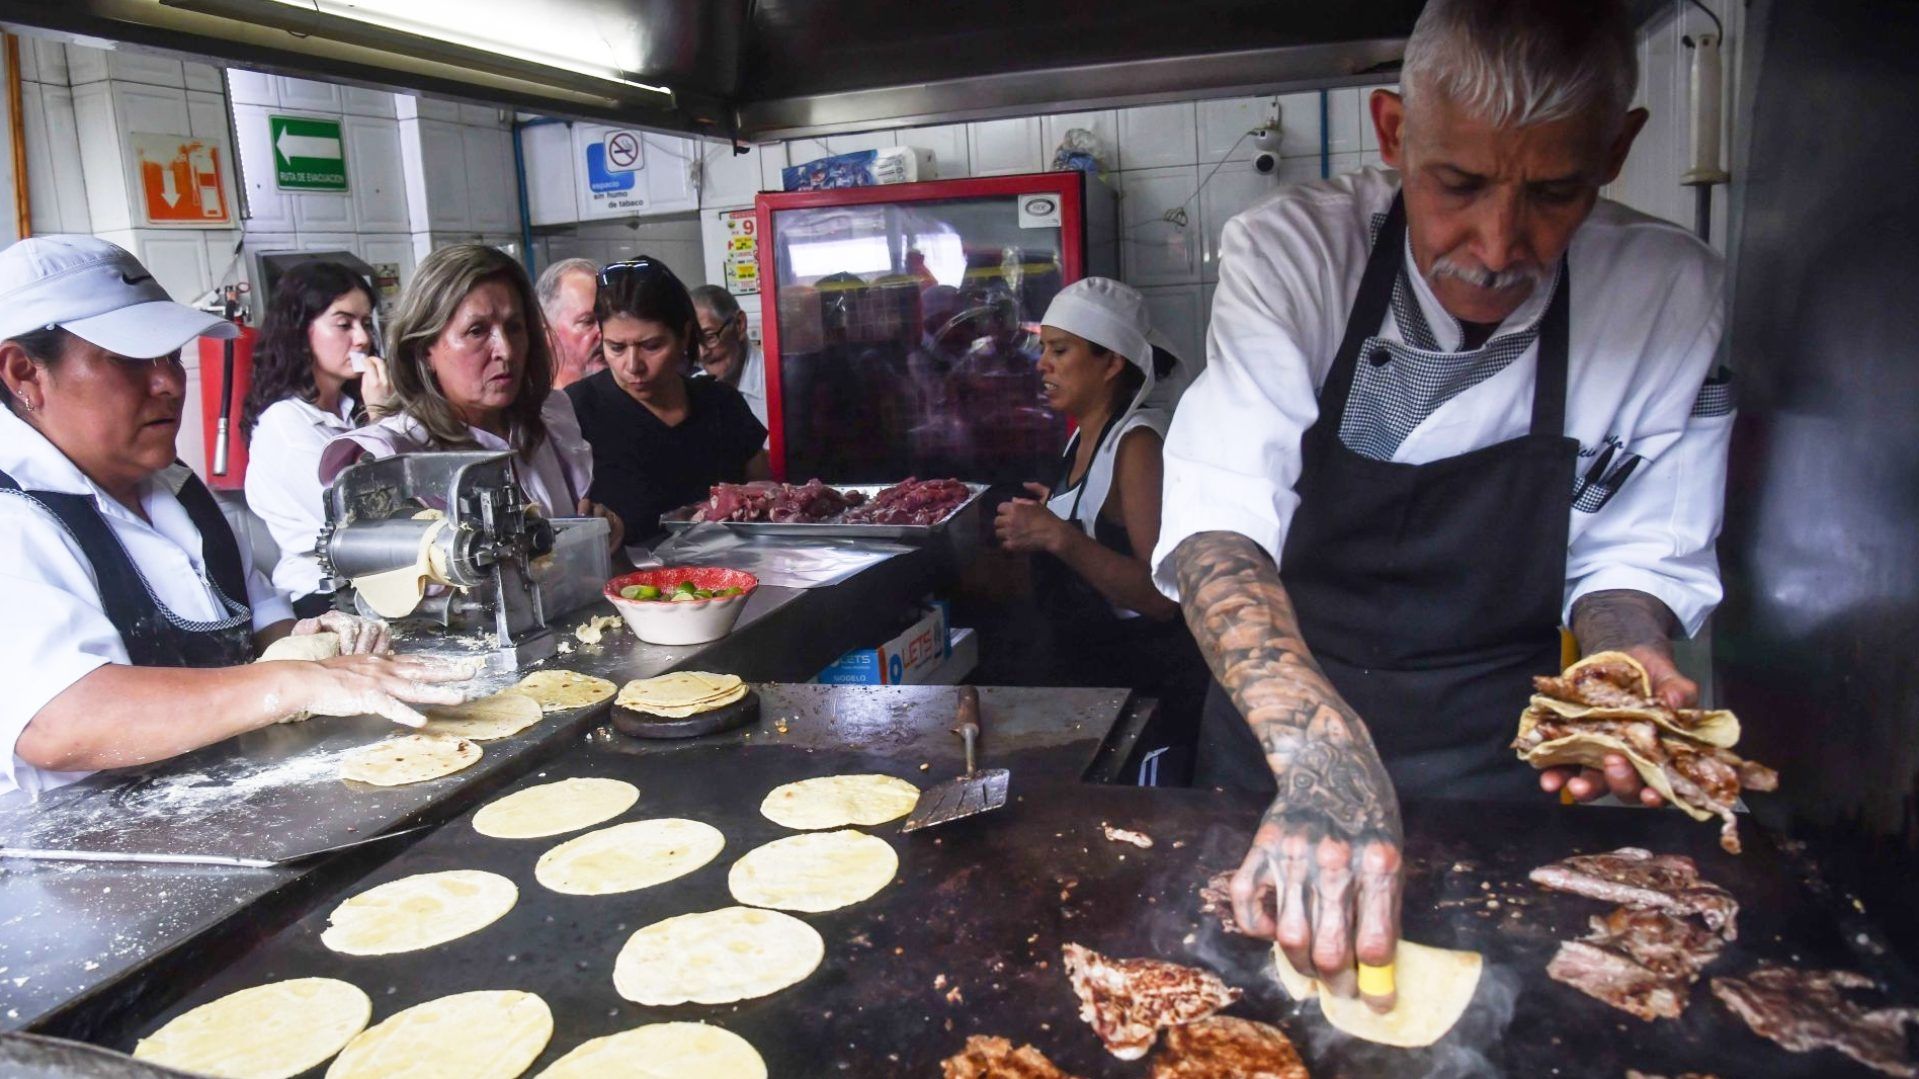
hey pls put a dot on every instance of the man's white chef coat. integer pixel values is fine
(53, 627)
(753, 382)
(1646, 318)
(284, 488)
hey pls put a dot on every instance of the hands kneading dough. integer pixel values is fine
(379, 686)
(358, 636)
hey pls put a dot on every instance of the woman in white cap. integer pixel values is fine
(128, 612)
(471, 369)
(1092, 529)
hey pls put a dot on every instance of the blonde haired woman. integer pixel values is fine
(470, 369)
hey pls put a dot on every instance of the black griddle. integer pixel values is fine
(986, 903)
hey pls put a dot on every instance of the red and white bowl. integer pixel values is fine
(694, 621)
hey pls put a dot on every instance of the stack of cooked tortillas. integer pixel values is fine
(681, 694)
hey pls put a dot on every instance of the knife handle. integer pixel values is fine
(968, 728)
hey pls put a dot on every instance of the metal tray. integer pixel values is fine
(678, 520)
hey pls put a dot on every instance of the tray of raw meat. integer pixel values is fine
(908, 510)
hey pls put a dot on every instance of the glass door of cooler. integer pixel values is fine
(902, 326)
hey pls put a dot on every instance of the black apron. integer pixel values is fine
(1429, 594)
(153, 635)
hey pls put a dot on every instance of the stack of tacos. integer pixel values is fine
(1604, 704)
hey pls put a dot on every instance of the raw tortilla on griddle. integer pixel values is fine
(1435, 986)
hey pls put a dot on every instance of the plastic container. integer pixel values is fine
(683, 622)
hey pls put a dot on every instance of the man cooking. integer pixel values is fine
(566, 291)
(726, 352)
(1446, 410)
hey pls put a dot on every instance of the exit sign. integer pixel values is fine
(308, 154)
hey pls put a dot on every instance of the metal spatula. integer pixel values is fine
(974, 792)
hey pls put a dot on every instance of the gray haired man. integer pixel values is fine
(726, 352)
(1447, 409)
(566, 291)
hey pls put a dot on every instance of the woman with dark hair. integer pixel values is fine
(660, 439)
(1090, 532)
(471, 371)
(315, 372)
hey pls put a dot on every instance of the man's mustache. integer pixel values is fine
(1480, 277)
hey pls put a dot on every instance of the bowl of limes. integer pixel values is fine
(681, 604)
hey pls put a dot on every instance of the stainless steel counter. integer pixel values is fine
(68, 928)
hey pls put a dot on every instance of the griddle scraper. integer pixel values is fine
(974, 792)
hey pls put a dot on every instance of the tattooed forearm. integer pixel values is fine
(1323, 759)
(1619, 619)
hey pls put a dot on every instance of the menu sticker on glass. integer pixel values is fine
(742, 266)
(1039, 211)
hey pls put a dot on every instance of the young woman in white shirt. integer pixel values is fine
(316, 374)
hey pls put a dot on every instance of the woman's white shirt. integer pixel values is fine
(556, 474)
(54, 628)
(283, 484)
(1081, 504)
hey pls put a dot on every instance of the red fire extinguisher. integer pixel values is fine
(226, 372)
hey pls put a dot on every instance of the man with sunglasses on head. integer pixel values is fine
(726, 353)
(660, 437)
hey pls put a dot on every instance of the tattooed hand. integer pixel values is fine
(1640, 625)
(1324, 874)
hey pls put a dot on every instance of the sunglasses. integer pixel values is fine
(641, 268)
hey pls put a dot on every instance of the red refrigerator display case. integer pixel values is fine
(900, 323)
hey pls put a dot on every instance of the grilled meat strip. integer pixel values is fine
(1640, 878)
(1640, 961)
(1804, 1010)
(1600, 685)
(1223, 1047)
(1127, 1001)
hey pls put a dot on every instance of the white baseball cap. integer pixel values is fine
(98, 292)
(1109, 313)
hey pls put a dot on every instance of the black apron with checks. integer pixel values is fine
(1429, 594)
(153, 635)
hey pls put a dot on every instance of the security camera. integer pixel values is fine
(1266, 142)
(1265, 162)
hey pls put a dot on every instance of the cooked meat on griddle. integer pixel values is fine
(1128, 1001)
(1640, 878)
(1601, 685)
(1617, 980)
(1216, 901)
(1223, 1047)
(1804, 1010)
(995, 1058)
(1640, 961)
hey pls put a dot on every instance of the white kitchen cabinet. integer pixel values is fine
(53, 158)
(396, 250)
(728, 179)
(947, 143)
(1103, 124)
(669, 174)
(145, 68)
(493, 201)
(484, 116)
(308, 94)
(1154, 250)
(356, 101)
(412, 107)
(101, 158)
(1005, 147)
(551, 174)
(49, 63)
(268, 210)
(376, 181)
(251, 87)
(435, 155)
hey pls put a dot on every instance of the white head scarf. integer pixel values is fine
(1110, 314)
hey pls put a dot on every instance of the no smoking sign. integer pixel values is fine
(622, 151)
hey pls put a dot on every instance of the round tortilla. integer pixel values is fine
(814, 872)
(838, 801)
(716, 957)
(486, 1034)
(688, 711)
(559, 691)
(662, 1051)
(628, 857)
(420, 911)
(554, 808)
(1435, 986)
(309, 647)
(681, 689)
(414, 758)
(272, 1031)
(505, 713)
